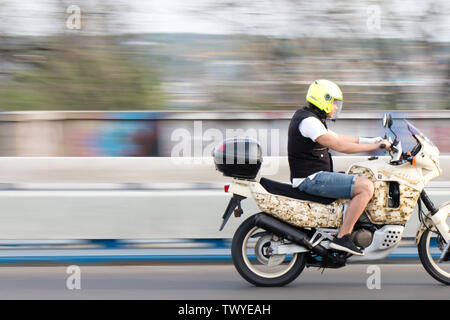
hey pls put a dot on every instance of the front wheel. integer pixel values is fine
(251, 252)
(430, 249)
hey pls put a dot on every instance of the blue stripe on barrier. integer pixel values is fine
(111, 259)
(110, 250)
(143, 258)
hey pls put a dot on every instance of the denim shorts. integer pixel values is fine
(329, 184)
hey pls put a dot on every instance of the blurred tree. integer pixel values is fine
(264, 56)
(81, 73)
(85, 69)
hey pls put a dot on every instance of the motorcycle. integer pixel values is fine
(294, 229)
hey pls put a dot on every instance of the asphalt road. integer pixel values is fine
(214, 281)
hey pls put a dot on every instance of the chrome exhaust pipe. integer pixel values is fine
(284, 230)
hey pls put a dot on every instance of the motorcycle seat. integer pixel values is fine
(286, 190)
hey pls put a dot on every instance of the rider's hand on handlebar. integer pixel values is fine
(378, 139)
(384, 144)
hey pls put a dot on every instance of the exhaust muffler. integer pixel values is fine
(284, 230)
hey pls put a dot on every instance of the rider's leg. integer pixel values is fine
(363, 190)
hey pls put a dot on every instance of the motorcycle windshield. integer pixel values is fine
(414, 131)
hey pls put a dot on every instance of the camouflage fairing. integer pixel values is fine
(301, 213)
(311, 214)
(378, 210)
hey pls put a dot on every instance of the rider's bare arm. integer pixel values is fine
(334, 141)
(344, 137)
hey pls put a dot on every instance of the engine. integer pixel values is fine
(362, 237)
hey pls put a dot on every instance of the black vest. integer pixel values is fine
(304, 155)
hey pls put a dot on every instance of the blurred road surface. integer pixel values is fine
(215, 281)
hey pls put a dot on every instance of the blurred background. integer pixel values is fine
(89, 88)
(163, 57)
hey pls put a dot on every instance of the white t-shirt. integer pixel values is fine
(312, 128)
(309, 128)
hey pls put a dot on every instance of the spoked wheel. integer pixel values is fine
(252, 255)
(430, 249)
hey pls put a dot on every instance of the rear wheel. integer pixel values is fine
(251, 252)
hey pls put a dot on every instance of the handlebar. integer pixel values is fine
(393, 148)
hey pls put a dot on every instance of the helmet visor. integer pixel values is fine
(337, 107)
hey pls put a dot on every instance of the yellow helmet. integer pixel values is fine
(323, 93)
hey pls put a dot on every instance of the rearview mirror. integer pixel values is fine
(387, 120)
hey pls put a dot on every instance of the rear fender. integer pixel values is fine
(240, 189)
(246, 188)
(235, 201)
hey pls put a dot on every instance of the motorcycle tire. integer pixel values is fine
(427, 261)
(242, 266)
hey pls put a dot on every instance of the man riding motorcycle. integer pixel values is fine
(311, 165)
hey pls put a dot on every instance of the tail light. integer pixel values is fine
(226, 187)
